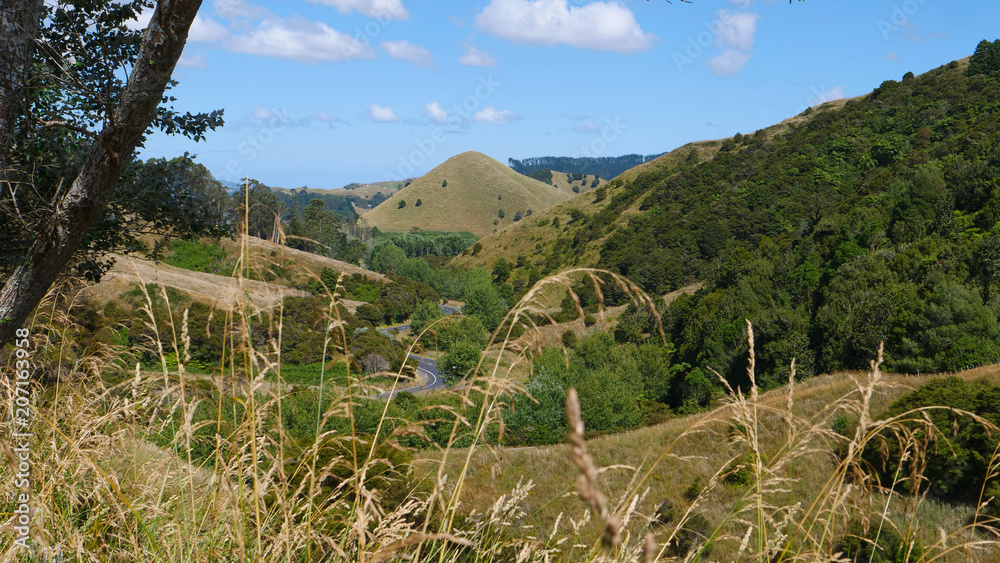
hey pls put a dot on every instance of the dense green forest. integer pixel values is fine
(603, 166)
(877, 221)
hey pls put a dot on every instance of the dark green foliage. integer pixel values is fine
(425, 313)
(465, 329)
(860, 546)
(340, 205)
(402, 204)
(501, 270)
(444, 183)
(264, 208)
(961, 452)
(482, 300)
(543, 175)
(569, 338)
(418, 203)
(612, 380)
(605, 166)
(986, 59)
(60, 112)
(314, 228)
(460, 360)
(196, 256)
(430, 243)
(576, 189)
(866, 223)
(500, 214)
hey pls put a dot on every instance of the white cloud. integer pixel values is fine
(741, 3)
(729, 62)
(298, 39)
(382, 9)
(600, 26)
(381, 113)
(194, 61)
(207, 30)
(434, 111)
(835, 93)
(262, 113)
(735, 30)
(475, 57)
(891, 57)
(587, 126)
(325, 117)
(408, 52)
(491, 115)
(236, 9)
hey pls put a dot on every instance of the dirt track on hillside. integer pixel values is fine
(224, 292)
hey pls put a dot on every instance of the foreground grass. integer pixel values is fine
(693, 459)
(763, 477)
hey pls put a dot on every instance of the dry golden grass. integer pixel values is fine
(470, 200)
(104, 494)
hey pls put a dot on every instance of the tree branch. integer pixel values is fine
(93, 187)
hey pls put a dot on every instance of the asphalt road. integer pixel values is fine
(426, 366)
(429, 369)
(391, 330)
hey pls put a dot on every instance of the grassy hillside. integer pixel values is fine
(692, 476)
(467, 192)
(578, 184)
(535, 237)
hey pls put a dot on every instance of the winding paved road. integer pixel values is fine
(425, 365)
(428, 367)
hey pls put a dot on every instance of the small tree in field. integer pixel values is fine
(402, 204)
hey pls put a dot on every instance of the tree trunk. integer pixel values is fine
(19, 24)
(93, 187)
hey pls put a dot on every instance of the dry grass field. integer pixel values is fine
(478, 188)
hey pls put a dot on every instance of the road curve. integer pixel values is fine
(426, 366)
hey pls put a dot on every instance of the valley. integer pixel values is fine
(782, 345)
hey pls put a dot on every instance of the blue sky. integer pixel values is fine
(322, 93)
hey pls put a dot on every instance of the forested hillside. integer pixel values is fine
(857, 224)
(603, 166)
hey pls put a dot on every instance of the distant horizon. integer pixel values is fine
(331, 92)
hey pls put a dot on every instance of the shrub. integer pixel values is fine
(418, 203)
(957, 460)
(402, 204)
(460, 360)
(569, 338)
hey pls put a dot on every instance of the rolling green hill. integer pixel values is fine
(860, 221)
(468, 192)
